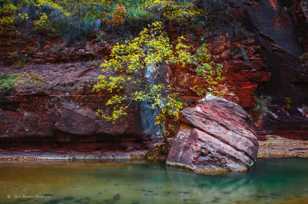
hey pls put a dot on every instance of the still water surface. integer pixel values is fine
(271, 181)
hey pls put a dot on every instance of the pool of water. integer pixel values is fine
(271, 181)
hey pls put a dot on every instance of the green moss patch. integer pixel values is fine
(8, 81)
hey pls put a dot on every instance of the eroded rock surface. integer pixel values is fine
(217, 136)
(274, 146)
(57, 101)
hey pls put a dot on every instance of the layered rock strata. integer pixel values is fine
(217, 136)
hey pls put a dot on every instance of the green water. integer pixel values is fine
(271, 181)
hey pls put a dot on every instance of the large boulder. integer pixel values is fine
(217, 136)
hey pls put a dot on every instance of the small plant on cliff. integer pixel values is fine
(8, 81)
(7, 12)
(208, 68)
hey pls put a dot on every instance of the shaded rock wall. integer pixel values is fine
(55, 102)
(281, 28)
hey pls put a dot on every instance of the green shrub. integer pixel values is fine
(7, 82)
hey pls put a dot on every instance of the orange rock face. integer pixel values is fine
(243, 66)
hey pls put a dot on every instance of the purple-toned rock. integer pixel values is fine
(55, 101)
(217, 136)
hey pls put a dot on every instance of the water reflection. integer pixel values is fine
(276, 181)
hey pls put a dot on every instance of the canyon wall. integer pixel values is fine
(261, 44)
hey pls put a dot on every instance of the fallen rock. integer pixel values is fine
(217, 136)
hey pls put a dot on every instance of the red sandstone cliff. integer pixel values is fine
(262, 45)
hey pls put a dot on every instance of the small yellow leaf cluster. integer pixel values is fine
(42, 22)
(7, 14)
(207, 68)
(183, 54)
(174, 10)
(171, 108)
(109, 83)
(114, 116)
